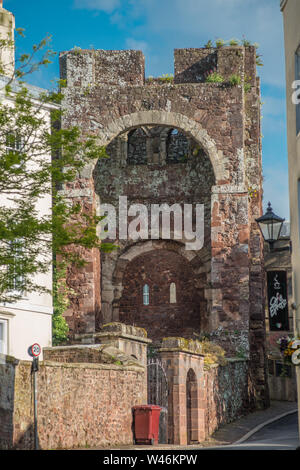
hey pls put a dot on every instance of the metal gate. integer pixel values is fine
(158, 393)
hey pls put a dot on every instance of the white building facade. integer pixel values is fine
(28, 320)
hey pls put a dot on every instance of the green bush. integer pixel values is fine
(220, 43)
(215, 78)
(235, 80)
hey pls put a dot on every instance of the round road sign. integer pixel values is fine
(35, 350)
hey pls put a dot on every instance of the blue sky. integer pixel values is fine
(158, 27)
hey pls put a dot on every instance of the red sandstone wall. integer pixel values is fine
(160, 318)
(79, 405)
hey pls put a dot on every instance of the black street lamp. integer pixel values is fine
(270, 226)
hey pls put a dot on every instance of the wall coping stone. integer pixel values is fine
(124, 329)
(114, 335)
(72, 346)
(118, 330)
(93, 365)
(6, 359)
(189, 346)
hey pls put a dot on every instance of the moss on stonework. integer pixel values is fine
(182, 344)
(213, 354)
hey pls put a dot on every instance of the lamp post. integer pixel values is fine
(270, 226)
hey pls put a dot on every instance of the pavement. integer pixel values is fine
(232, 433)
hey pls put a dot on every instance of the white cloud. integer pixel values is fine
(196, 21)
(190, 23)
(104, 5)
(137, 45)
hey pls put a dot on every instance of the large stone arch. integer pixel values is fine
(114, 266)
(107, 95)
(169, 119)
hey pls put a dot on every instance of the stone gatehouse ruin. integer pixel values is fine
(175, 142)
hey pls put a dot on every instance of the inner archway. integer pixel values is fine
(146, 300)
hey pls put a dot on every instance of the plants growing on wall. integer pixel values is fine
(214, 77)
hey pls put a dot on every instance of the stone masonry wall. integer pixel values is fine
(79, 405)
(226, 394)
(161, 317)
(220, 392)
(106, 95)
(7, 391)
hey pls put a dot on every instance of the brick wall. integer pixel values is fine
(79, 405)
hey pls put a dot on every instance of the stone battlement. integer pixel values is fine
(84, 67)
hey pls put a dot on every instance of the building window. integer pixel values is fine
(177, 147)
(16, 279)
(146, 295)
(3, 336)
(14, 145)
(137, 147)
(173, 293)
(297, 77)
(13, 142)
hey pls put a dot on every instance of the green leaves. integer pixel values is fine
(37, 159)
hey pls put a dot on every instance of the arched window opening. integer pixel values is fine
(173, 293)
(146, 295)
(137, 147)
(177, 147)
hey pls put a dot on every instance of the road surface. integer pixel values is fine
(279, 435)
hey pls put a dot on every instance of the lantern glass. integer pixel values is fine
(270, 225)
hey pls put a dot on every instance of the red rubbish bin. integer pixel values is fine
(146, 424)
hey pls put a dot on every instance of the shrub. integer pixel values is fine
(214, 78)
(209, 44)
(166, 77)
(220, 43)
(235, 80)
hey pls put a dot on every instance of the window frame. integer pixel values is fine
(18, 283)
(146, 295)
(173, 294)
(4, 340)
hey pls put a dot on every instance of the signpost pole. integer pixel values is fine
(35, 368)
(34, 351)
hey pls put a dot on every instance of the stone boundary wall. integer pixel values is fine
(7, 380)
(227, 393)
(79, 405)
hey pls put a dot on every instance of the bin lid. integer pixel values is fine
(146, 407)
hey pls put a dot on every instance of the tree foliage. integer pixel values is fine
(38, 159)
